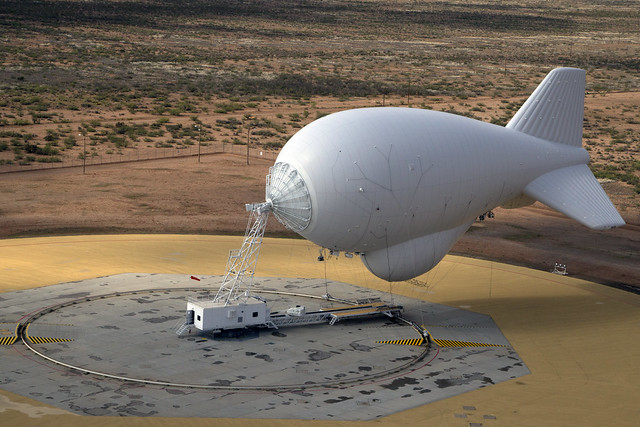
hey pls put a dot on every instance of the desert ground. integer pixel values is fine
(133, 90)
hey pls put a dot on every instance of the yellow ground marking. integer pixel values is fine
(412, 341)
(580, 340)
(9, 336)
(8, 340)
(454, 343)
(440, 342)
(43, 340)
(457, 343)
(47, 340)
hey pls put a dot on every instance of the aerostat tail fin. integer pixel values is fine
(575, 192)
(554, 111)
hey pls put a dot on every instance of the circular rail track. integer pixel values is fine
(415, 361)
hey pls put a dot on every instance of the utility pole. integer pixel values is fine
(250, 127)
(248, 141)
(199, 140)
(84, 152)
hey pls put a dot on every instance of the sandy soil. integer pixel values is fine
(184, 196)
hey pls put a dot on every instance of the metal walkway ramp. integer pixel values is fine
(282, 320)
(334, 315)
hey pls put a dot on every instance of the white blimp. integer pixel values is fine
(399, 186)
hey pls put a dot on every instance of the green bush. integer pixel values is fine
(118, 141)
(228, 107)
(70, 141)
(47, 150)
(52, 135)
(272, 144)
(53, 159)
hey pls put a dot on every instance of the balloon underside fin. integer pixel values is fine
(414, 257)
(575, 192)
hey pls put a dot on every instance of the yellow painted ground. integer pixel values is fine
(580, 340)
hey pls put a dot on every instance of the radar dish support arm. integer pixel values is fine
(241, 264)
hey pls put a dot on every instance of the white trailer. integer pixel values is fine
(209, 315)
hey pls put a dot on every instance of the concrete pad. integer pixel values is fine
(579, 339)
(124, 325)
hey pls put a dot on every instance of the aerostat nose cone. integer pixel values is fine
(289, 197)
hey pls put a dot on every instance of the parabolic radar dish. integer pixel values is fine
(289, 197)
(399, 186)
